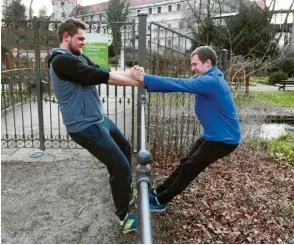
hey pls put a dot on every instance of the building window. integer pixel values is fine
(138, 11)
(169, 25)
(169, 42)
(159, 10)
(150, 10)
(178, 6)
(148, 27)
(169, 8)
(100, 17)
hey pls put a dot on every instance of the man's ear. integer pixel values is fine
(66, 36)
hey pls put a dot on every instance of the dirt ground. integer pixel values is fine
(66, 201)
(246, 198)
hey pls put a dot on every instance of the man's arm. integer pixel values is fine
(126, 73)
(69, 67)
(201, 85)
(119, 80)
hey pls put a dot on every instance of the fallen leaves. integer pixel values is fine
(244, 198)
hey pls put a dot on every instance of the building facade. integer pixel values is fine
(171, 14)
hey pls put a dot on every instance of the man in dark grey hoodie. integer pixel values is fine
(74, 78)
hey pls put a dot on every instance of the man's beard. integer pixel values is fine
(74, 51)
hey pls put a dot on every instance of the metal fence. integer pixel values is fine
(171, 122)
(30, 114)
(29, 111)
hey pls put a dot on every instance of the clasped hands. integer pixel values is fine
(137, 73)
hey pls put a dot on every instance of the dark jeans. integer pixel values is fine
(106, 142)
(201, 155)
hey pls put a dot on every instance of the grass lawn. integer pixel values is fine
(277, 98)
(254, 80)
(283, 99)
(283, 147)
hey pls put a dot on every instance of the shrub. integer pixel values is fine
(276, 77)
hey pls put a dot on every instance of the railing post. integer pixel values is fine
(38, 84)
(143, 174)
(142, 33)
(143, 170)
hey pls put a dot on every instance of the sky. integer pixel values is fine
(37, 4)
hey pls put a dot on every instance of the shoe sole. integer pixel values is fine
(128, 231)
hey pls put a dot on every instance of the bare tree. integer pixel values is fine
(77, 7)
(31, 10)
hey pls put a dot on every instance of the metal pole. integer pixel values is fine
(143, 170)
(142, 34)
(38, 84)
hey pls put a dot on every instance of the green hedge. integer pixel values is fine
(276, 77)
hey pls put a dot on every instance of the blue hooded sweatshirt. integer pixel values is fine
(73, 80)
(214, 104)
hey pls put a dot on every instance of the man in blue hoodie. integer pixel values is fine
(74, 78)
(216, 111)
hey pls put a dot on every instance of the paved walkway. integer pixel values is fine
(264, 87)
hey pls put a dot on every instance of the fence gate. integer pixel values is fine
(29, 111)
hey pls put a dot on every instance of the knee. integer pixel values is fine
(122, 169)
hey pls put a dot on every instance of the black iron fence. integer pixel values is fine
(29, 111)
(30, 114)
(171, 123)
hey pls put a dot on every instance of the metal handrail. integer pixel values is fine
(143, 172)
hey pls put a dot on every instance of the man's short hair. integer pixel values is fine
(204, 53)
(70, 26)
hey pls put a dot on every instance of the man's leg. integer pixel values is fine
(120, 140)
(97, 140)
(207, 153)
(125, 147)
(166, 184)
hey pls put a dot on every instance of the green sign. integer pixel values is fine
(97, 52)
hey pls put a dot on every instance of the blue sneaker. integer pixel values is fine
(129, 224)
(152, 193)
(134, 194)
(155, 206)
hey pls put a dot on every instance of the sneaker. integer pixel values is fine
(155, 206)
(134, 194)
(129, 224)
(152, 193)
